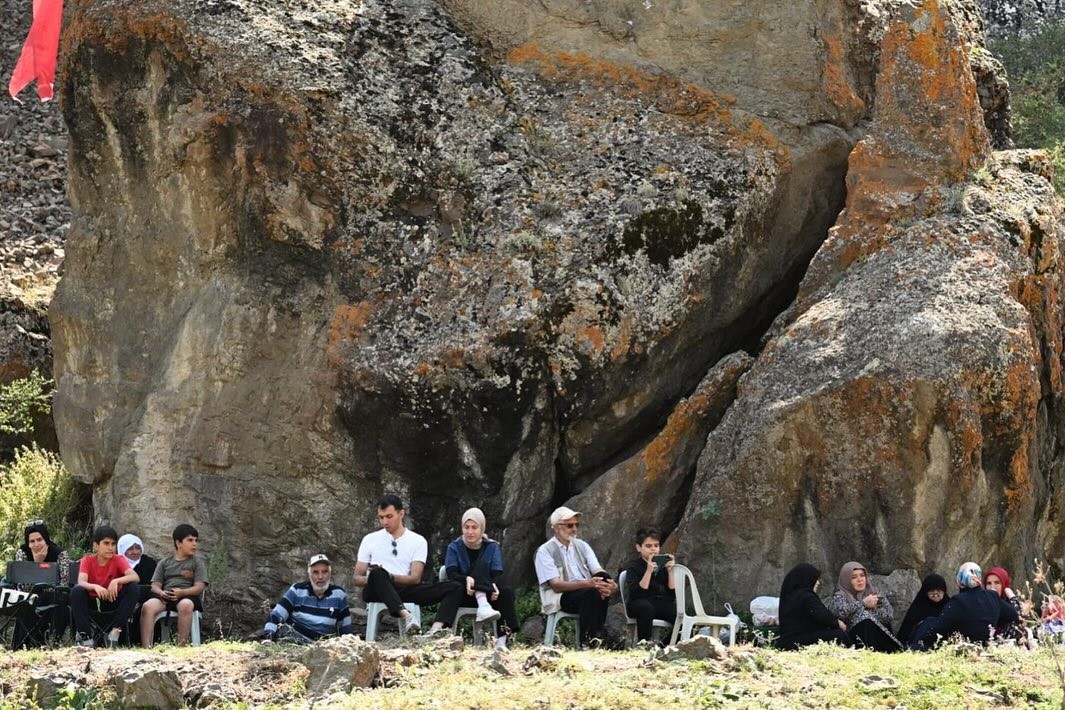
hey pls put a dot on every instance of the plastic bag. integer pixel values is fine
(723, 635)
(765, 611)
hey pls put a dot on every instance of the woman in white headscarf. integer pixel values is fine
(132, 548)
(867, 614)
(477, 561)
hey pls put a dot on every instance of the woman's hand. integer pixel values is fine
(495, 593)
(871, 601)
(842, 626)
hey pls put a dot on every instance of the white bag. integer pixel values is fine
(765, 611)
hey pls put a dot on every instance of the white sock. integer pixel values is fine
(482, 600)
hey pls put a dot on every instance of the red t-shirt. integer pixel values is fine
(102, 575)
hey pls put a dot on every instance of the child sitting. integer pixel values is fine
(106, 577)
(177, 584)
(1053, 615)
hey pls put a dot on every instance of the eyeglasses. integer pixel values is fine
(571, 526)
(38, 521)
(394, 551)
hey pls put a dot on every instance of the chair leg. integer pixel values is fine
(549, 630)
(194, 633)
(371, 622)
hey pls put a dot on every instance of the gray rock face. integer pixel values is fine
(381, 261)
(488, 253)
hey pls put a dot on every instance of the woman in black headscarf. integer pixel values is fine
(928, 603)
(37, 546)
(804, 620)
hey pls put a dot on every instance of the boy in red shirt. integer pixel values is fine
(106, 577)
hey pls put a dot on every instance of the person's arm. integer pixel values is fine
(573, 585)
(280, 612)
(883, 611)
(1007, 612)
(844, 609)
(196, 589)
(359, 575)
(415, 576)
(818, 612)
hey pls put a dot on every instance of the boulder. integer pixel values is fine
(905, 410)
(341, 664)
(149, 687)
(348, 249)
(700, 647)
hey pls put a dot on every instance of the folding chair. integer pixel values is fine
(629, 621)
(29, 612)
(464, 611)
(686, 623)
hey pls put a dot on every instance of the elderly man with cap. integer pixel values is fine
(312, 609)
(570, 576)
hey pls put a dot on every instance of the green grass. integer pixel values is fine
(823, 676)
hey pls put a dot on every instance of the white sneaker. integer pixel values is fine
(486, 613)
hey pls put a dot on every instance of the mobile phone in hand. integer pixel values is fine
(661, 560)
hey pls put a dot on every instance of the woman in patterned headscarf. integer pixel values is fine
(866, 613)
(972, 612)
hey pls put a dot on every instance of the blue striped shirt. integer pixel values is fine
(310, 615)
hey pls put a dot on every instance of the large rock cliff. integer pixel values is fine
(507, 254)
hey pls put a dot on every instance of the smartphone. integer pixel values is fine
(660, 560)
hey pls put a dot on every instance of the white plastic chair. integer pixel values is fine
(478, 640)
(686, 623)
(655, 625)
(165, 629)
(374, 611)
(551, 625)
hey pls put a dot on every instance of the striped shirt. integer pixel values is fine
(312, 616)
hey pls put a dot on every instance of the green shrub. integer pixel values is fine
(21, 400)
(37, 485)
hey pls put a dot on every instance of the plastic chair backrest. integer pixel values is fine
(622, 589)
(33, 573)
(684, 580)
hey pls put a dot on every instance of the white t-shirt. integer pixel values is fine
(395, 555)
(546, 569)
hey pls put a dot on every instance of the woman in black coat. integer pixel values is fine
(804, 619)
(928, 603)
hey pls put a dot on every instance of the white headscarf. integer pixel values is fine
(127, 541)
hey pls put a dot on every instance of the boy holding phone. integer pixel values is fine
(649, 584)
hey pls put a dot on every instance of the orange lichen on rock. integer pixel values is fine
(837, 86)
(669, 94)
(659, 455)
(347, 324)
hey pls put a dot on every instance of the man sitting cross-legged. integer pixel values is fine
(311, 609)
(390, 565)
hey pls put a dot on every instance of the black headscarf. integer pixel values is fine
(53, 549)
(923, 607)
(802, 576)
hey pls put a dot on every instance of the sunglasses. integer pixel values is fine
(394, 551)
(38, 521)
(571, 526)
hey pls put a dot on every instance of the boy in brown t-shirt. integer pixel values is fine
(177, 584)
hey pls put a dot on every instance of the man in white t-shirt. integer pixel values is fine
(571, 577)
(389, 569)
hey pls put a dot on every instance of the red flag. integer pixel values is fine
(38, 57)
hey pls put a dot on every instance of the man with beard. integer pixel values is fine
(571, 578)
(313, 609)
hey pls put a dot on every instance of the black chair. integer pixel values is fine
(30, 604)
(102, 622)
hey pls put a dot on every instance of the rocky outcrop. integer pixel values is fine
(328, 252)
(483, 253)
(905, 410)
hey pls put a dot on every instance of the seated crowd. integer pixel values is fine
(390, 566)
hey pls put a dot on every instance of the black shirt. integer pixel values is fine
(659, 586)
